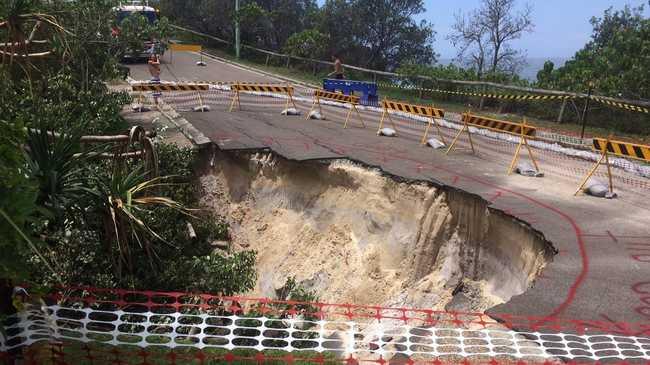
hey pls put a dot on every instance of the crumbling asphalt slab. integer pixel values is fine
(602, 269)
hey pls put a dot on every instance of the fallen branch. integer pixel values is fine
(29, 55)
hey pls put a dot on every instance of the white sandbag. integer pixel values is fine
(388, 132)
(527, 169)
(315, 115)
(598, 188)
(290, 111)
(435, 143)
(201, 108)
(644, 171)
(140, 108)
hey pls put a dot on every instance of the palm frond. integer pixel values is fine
(52, 162)
(129, 199)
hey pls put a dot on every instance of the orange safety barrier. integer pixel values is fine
(116, 326)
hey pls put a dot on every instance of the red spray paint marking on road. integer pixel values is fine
(496, 196)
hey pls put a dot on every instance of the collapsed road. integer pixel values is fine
(601, 271)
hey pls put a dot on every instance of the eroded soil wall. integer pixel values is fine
(356, 235)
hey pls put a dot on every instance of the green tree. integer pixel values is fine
(135, 29)
(53, 231)
(616, 58)
(17, 193)
(379, 34)
(545, 75)
(449, 72)
(332, 16)
(29, 37)
(309, 43)
(389, 35)
(214, 17)
(90, 43)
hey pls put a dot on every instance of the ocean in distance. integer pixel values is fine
(529, 71)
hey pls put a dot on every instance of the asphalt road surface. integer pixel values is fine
(602, 270)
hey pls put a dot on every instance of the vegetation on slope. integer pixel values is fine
(67, 218)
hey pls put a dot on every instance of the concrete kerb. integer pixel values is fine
(188, 130)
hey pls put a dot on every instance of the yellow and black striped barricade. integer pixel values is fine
(523, 130)
(170, 87)
(178, 47)
(617, 148)
(238, 87)
(419, 110)
(338, 97)
(161, 88)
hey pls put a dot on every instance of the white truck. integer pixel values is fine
(149, 46)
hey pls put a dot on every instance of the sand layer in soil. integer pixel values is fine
(355, 235)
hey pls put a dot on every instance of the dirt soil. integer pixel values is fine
(358, 236)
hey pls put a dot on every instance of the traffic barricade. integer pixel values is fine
(368, 90)
(178, 47)
(162, 88)
(352, 100)
(239, 87)
(523, 130)
(428, 112)
(607, 146)
(170, 87)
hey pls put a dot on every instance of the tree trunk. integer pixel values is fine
(495, 58)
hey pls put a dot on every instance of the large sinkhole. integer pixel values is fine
(356, 235)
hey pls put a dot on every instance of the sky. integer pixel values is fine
(561, 26)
